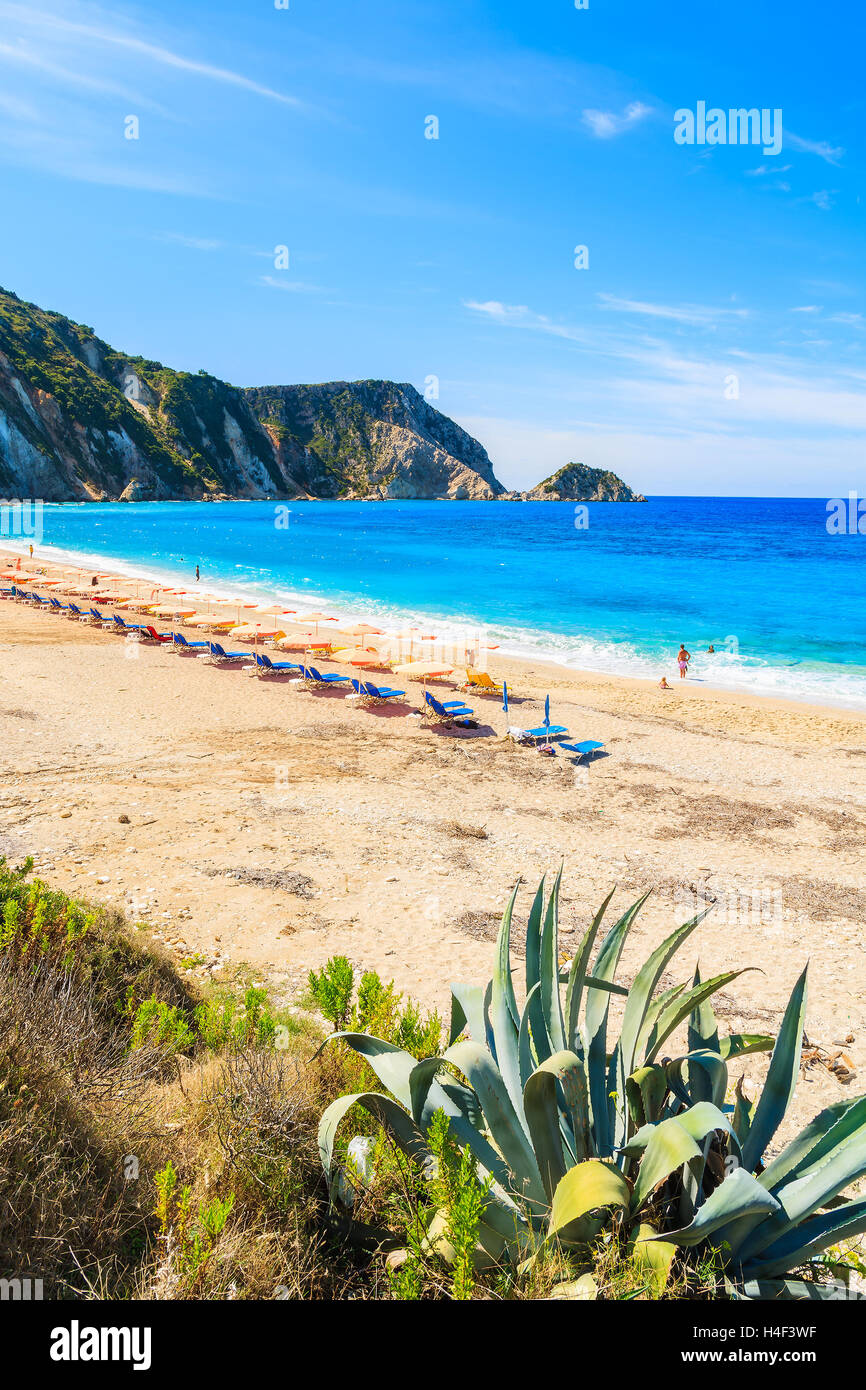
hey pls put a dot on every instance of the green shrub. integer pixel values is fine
(331, 990)
(157, 1024)
(379, 1008)
(189, 1240)
(37, 923)
(220, 1025)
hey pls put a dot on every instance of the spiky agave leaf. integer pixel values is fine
(807, 1240)
(577, 976)
(595, 1015)
(637, 1005)
(555, 1089)
(586, 1189)
(505, 1126)
(504, 1014)
(781, 1078)
(837, 1159)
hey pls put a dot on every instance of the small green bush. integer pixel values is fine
(331, 991)
(220, 1025)
(379, 1008)
(157, 1024)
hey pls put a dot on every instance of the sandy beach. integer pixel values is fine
(253, 826)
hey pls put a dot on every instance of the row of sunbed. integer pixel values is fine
(364, 692)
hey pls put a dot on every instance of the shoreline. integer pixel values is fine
(520, 659)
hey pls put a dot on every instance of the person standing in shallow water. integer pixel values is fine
(683, 659)
(196, 574)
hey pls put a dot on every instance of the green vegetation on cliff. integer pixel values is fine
(80, 420)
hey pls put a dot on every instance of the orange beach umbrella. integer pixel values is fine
(357, 656)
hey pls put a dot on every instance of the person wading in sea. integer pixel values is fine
(683, 659)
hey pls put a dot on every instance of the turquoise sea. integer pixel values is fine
(781, 599)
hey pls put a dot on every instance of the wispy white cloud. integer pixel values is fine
(272, 282)
(80, 157)
(521, 316)
(53, 25)
(68, 75)
(194, 243)
(605, 124)
(18, 109)
(679, 313)
(822, 148)
(806, 309)
(764, 169)
(633, 381)
(822, 199)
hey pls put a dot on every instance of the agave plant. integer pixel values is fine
(564, 1126)
(548, 1108)
(767, 1220)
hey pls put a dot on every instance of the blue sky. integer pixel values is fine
(715, 344)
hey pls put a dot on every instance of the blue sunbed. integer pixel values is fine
(449, 709)
(265, 666)
(379, 692)
(316, 678)
(587, 749)
(180, 643)
(218, 653)
(546, 731)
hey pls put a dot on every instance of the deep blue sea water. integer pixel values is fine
(781, 599)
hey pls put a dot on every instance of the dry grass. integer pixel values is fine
(463, 832)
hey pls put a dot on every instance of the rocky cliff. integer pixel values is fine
(81, 421)
(578, 483)
(370, 439)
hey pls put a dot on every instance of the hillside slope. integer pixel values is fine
(82, 421)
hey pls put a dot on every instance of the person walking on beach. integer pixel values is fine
(683, 659)
(196, 574)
